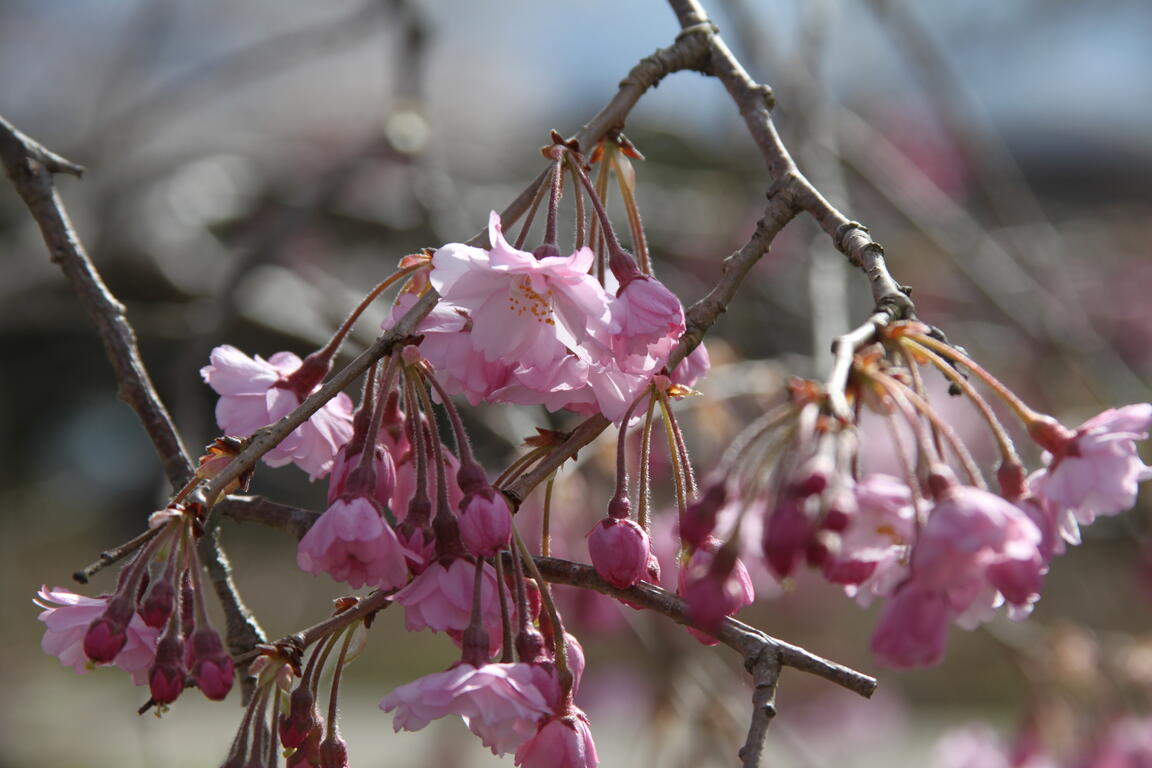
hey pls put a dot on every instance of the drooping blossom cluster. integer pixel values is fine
(154, 626)
(940, 551)
(515, 328)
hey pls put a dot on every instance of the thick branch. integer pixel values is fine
(31, 166)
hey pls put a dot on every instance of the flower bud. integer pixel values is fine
(700, 515)
(485, 522)
(619, 549)
(212, 668)
(786, 535)
(333, 752)
(301, 719)
(166, 677)
(107, 635)
(158, 602)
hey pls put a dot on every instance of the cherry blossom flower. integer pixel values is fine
(67, 616)
(255, 392)
(646, 316)
(383, 465)
(352, 543)
(693, 367)
(1095, 472)
(976, 551)
(563, 741)
(440, 599)
(500, 703)
(874, 545)
(534, 311)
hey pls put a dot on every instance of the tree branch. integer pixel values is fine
(748, 641)
(31, 166)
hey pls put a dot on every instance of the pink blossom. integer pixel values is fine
(563, 741)
(485, 522)
(66, 617)
(645, 315)
(619, 549)
(976, 551)
(447, 346)
(876, 540)
(255, 392)
(500, 703)
(534, 311)
(1096, 471)
(352, 543)
(715, 584)
(440, 599)
(693, 367)
(913, 629)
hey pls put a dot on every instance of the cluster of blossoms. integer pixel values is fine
(419, 521)
(939, 551)
(155, 624)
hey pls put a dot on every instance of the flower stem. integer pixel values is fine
(553, 615)
(644, 495)
(1023, 411)
(338, 338)
(1007, 447)
(621, 167)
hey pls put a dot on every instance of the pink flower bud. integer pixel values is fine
(333, 752)
(107, 635)
(715, 585)
(166, 677)
(211, 667)
(158, 603)
(485, 522)
(700, 516)
(786, 535)
(562, 742)
(619, 550)
(301, 718)
(308, 754)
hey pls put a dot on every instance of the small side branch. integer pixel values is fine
(765, 671)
